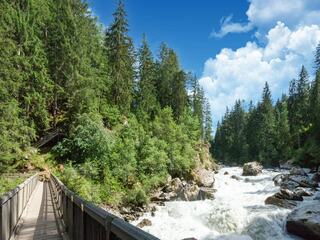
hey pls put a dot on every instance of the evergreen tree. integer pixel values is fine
(282, 129)
(120, 55)
(207, 122)
(147, 92)
(266, 128)
(179, 98)
(168, 67)
(317, 58)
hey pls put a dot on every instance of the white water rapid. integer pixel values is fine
(237, 212)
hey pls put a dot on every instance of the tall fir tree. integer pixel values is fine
(147, 93)
(207, 122)
(121, 59)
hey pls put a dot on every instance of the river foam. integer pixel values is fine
(238, 212)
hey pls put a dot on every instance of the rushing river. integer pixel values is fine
(237, 212)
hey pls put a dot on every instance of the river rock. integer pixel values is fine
(189, 193)
(273, 200)
(175, 185)
(236, 177)
(287, 165)
(305, 221)
(206, 193)
(289, 195)
(298, 171)
(144, 222)
(303, 181)
(302, 192)
(252, 169)
(278, 179)
(317, 196)
(316, 177)
(204, 177)
(226, 173)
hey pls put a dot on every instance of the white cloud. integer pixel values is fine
(263, 15)
(227, 26)
(241, 73)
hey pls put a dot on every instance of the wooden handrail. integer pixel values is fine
(12, 205)
(85, 221)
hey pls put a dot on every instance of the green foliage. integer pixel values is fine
(127, 122)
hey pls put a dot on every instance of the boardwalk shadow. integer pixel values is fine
(46, 226)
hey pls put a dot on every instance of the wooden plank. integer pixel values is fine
(39, 220)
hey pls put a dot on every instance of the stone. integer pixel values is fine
(278, 179)
(175, 185)
(272, 200)
(316, 177)
(251, 169)
(206, 193)
(289, 195)
(226, 173)
(317, 196)
(204, 177)
(236, 177)
(287, 165)
(302, 192)
(189, 193)
(297, 171)
(145, 222)
(303, 181)
(305, 221)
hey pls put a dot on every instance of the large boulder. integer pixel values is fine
(278, 179)
(316, 177)
(189, 193)
(287, 165)
(302, 192)
(298, 171)
(303, 181)
(251, 169)
(204, 177)
(273, 200)
(206, 193)
(145, 222)
(289, 195)
(175, 185)
(305, 221)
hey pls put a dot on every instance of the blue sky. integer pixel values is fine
(186, 26)
(234, 46)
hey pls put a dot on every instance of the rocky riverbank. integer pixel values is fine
(201, 187)
(296, 186)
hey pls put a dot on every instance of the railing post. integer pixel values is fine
(70, 217)
(81, 227)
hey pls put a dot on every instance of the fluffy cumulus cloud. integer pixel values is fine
(262, 15)
(242, 73)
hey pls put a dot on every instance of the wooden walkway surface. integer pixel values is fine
(39, 221)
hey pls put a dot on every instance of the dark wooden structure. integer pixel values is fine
(76, 218)
(12, 205)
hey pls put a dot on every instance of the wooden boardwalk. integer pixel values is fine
(39, 221)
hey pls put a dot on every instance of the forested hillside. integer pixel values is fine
(273, 133)
(129, 119)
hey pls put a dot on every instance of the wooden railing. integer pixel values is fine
(84, 221)
(12, 205)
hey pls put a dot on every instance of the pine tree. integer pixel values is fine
(168, 68)
(197, 101)
(266, 129)
(179, 98)
(120, 56)
(147, 92)
(317, 58)
(282, 129)
(207, 122)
